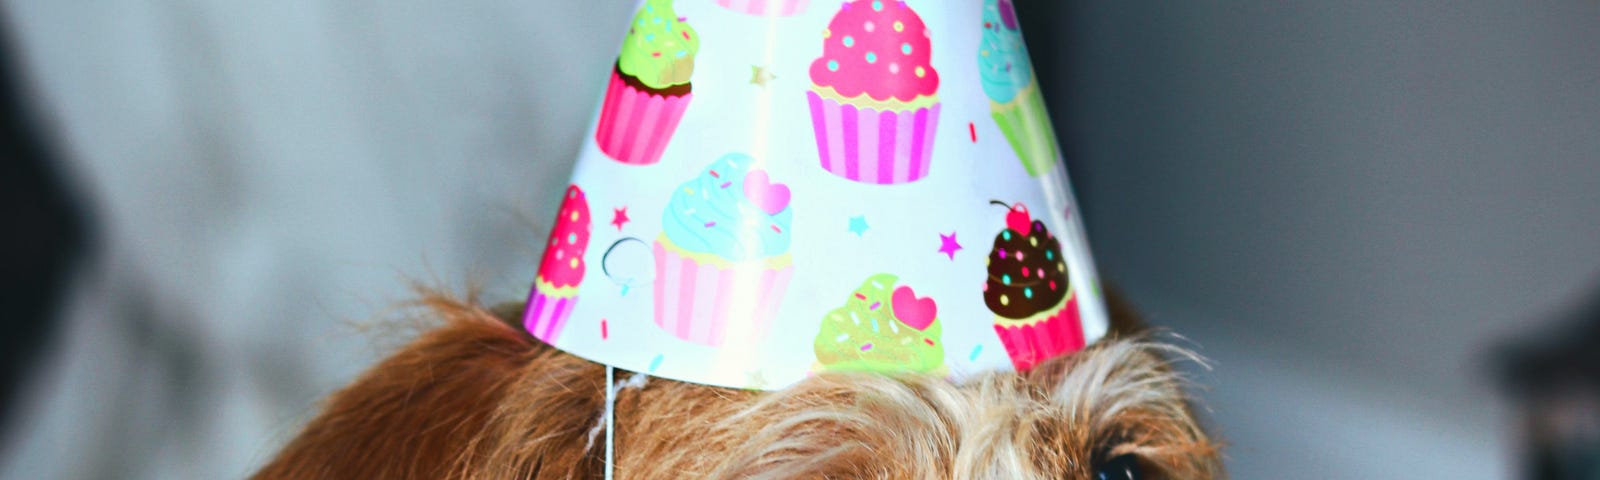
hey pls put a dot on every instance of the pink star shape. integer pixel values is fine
(619, 216)
(948, 245)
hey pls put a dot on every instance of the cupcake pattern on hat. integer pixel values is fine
(555, 290)
(722, 259)
(1003, 65)
(874, 103)
(881, 328)
(1014, 98)
(660, 48)
(731, 211)
(1028, 290)
(697, 282)
(879, 50)
(1026, 272)
(650, 86)
(766, 8)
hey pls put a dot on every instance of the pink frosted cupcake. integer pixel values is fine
(649, 88)
(766, 8)
(555, 290)
(722, 260)
(874, 102)
(1036, 311)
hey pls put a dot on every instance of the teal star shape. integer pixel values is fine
(858, 225)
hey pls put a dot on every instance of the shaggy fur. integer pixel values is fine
(478, 399)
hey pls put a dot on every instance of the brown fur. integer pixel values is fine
(476, 398)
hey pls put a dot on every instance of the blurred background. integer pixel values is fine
(1373, 216)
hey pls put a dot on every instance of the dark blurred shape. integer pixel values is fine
(44, 232)
(1555, 379)
(1049, 48)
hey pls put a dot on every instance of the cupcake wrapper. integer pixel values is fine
(547, 315)
(870, 146)
(1060, 334)
(635, 125)
(711, 305)
(1026, 125)
(776, 8)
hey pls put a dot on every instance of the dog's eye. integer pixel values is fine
(1121, 467)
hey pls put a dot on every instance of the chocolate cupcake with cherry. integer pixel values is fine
(1036, 310)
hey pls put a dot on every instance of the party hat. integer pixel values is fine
(778, 188)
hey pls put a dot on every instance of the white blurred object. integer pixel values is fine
(266, 176)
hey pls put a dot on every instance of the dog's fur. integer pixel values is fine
(477, 398)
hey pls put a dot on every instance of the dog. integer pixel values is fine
(478, 398)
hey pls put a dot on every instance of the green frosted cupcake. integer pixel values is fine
(881, 328)
(650, 86)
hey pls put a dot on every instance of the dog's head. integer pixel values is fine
(478, 399)
(1115, 411)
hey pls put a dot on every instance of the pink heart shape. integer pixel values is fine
(769, 197)
(913, 311)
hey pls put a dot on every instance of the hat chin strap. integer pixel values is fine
(608, 418)
(611, 422)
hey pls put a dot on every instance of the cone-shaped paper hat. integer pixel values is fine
(776, 188)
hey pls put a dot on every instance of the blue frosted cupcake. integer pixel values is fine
(722, 259)
(1014, 98)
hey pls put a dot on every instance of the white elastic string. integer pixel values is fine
(611, 420)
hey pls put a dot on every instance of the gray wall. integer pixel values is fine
(1342, 204)
(269, 176)
(1345, 204)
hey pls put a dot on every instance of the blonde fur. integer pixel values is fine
(512, 407)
